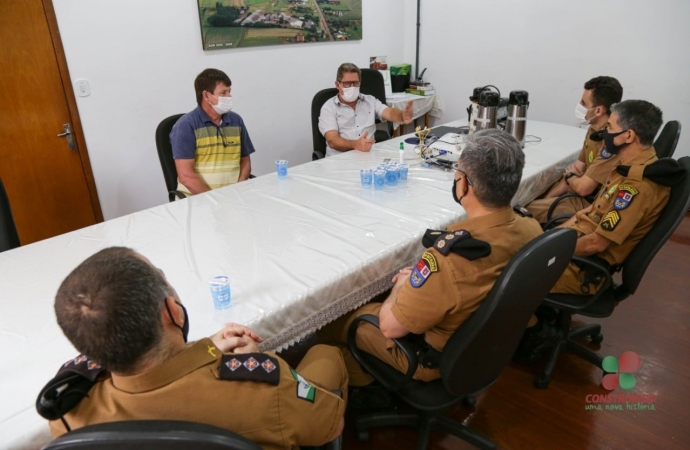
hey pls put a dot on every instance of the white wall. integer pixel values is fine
(550, 48)
(141, 58)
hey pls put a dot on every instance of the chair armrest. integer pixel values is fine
(557, 201)
(608, 281)
(178, 194)
(550, 224)
(405, 346)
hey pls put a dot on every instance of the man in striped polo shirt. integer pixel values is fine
(211, 145)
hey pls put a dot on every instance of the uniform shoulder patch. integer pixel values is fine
(258, 367)
(605, 153)
(305, 391)
(83, 366)
(423, 269)
(430, 237)
(447, 239)
(522, 211)
(625, 196)
(610, 221)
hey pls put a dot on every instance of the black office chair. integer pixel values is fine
(166, 157)
(609, 294)
(476, 354)
(319, 141)
(159, 435)
(666, 142)
(151, 435)
(9, 238)
(665, 146)
(373, 84)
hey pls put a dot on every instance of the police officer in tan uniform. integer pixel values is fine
(625, 209)
(594, 163)
(434, 297)
(121, 313)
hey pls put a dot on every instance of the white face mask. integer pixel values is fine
(224, 104)
(581, 114)
(350, 94)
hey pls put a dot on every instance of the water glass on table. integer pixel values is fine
(392, 175)
(367, 176)
(402, 171)
(220, 291)
(282, 168)
(379, 179)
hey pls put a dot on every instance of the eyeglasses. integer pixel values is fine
(349, 84)
(221, 133)
(462, 172)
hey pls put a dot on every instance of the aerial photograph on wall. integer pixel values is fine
(251, 23)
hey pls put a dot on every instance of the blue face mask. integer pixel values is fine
(608, 141)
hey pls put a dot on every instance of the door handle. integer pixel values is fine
(67, 132)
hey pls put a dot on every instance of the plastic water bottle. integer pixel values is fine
(220, 291)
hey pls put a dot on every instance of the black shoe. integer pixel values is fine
(371, 398)
(535, 345)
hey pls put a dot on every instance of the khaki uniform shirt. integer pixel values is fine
(625, 209)
(187, 387)
(598, 162)
(455, 286)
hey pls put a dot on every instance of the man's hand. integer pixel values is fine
(403, 274)
(248, 347)
(234, 336)
(363, 144)
(408, 113)
(574, 169)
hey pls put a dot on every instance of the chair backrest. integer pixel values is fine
(151, 435)
(482, 347)
(320, 98)
(9, 238)
(666, 142)
(638, 260)
(372, 84)
(165, 153)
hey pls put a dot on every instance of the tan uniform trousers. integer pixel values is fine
(371, 340)
(569, 205)
(571, 282)
(323, 366)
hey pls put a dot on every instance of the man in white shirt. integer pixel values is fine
(348, 120)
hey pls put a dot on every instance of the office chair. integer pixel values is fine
(151, 435)
(665, 145)
(166, 157)
(159, 435)
(319, 141)
(9, 238)
(666, 142)
(372, 84)
(609, 294)
(476, 354)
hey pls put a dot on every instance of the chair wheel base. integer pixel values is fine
(542, 381)
(596, 338)
(362, 435)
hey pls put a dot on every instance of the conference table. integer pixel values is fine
(299, 252)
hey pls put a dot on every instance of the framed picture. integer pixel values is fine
(251, 23)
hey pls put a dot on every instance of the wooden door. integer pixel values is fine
(50, 187)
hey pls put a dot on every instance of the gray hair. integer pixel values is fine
(348, 68)
(640, 116)
(493, 161)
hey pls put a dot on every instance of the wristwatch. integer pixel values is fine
(568, 176)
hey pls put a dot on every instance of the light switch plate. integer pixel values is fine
(82, 88)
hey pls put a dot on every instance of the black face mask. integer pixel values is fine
(455, 194)
(608, 142)
(185, 325)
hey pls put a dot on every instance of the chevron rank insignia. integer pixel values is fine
(258, 367)
(610, 221)
(625, 196)
(305, 391)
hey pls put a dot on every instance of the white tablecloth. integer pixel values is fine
(299, 252)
